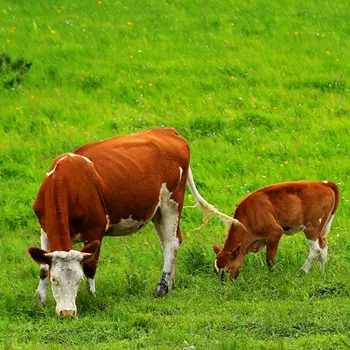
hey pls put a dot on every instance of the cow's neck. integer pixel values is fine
(57, 218)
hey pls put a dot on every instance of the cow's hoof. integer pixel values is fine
(302, 272)
(162, 289)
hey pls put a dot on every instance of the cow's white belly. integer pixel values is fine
(125, 227)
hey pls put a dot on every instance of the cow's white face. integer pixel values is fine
(66, 273)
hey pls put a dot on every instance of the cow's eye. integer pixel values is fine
(54, 281)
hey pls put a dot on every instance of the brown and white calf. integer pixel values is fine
(110, 188)
(272, 211)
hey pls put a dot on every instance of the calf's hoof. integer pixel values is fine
(302, 272)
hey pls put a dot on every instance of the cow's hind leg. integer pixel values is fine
(44, 272)
(166, 223)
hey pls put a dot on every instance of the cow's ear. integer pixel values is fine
(40, 256)
(256, 246)
(216, 249)
(90, 249)
(237, 251)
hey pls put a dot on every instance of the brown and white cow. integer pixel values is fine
(111, 188)
(272, 211)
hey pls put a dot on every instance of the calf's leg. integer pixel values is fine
(316, 234)
(313, 254)
(272, 241)
(323, 241)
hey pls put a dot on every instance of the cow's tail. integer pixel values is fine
(205, 206)
(335, 189)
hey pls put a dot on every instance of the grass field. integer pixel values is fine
(258, 88)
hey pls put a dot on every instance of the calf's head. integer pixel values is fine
(227, 261)
(231, 261)
(65, 273)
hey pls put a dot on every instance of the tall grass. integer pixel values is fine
(260, 91)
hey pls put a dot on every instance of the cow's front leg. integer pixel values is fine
(44, 272)
(90, 268)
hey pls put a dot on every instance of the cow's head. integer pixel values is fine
(65, 273)
(231, 261)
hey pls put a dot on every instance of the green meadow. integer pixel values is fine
(260, 89)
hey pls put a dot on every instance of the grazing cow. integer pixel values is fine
(272, 211)
(110, 188)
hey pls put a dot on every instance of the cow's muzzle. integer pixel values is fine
(67, 313)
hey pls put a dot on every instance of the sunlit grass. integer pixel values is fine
(260, 91)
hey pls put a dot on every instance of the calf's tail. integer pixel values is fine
(335, 189)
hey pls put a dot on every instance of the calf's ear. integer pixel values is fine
(40, 256)
(237, 251)
(90, 249)
(217, 249)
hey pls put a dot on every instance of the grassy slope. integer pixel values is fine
(284, 115)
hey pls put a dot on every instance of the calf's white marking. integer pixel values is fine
(314, 252)
(328, 226)
(216, 266)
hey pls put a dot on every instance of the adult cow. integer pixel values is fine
(272, 211)
(111, 188)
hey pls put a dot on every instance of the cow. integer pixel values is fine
(111, 188)
(268, 213)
